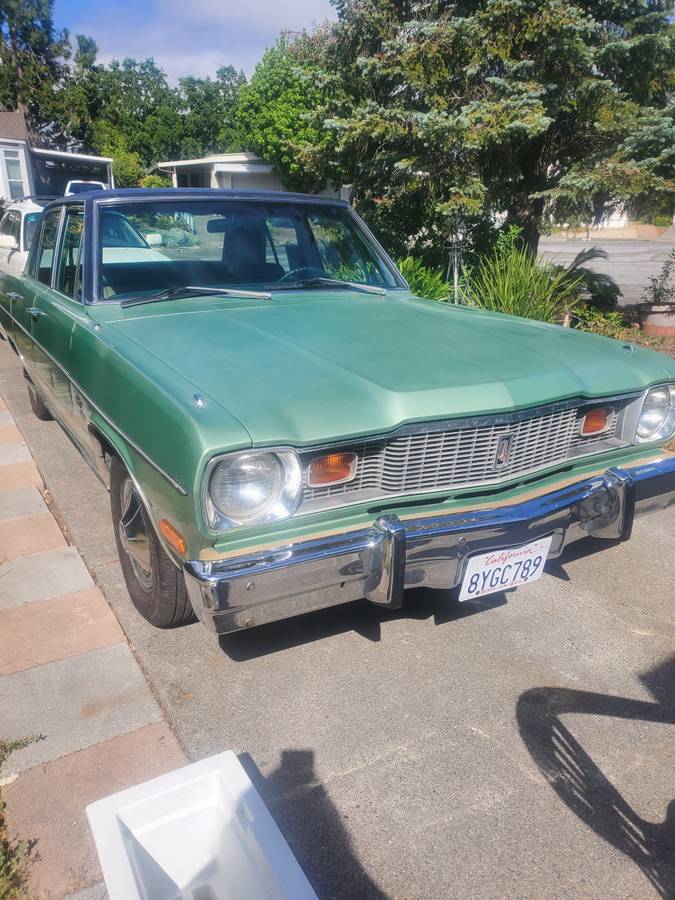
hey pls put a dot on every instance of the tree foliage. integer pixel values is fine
(126, 109)
(277, 113)
(480, 112)
(33, 54)
(526, 109)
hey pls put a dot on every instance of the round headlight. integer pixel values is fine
(657, 418)
(258, 486)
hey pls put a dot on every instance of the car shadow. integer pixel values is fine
(580, 783)
(578, 550)
(361, 617)
(312, 827)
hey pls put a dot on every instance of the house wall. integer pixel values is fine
(255, 181)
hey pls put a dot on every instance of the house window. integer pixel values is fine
(14, 174)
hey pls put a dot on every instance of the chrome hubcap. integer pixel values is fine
(134, 536)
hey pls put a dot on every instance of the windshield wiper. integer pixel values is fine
(319, 281)
(194, 291)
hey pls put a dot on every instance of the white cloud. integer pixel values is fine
(198, 37)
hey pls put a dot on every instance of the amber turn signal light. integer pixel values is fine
(335, 468)
(596, 421)
(174, 537)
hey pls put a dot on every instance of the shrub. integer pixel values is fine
(424, 282)
(595, 288)
(661, 288)
(588, 318)
(155, 181)
(511, 280)
(16, 856)
(662, 221)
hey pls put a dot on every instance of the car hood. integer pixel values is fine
(315, 366)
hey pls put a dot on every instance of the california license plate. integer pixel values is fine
(500, 570)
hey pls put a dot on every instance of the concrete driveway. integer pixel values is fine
(630, 262)
(518, 746)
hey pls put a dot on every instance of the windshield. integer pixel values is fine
(150, 246)
(30, 221)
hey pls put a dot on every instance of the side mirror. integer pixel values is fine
(154, 239)
(8, 242)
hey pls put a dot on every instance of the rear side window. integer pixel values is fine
(30, 224)
(68, 276)
(45, 254)
(15, 225)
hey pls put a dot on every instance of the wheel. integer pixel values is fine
(156, 587)
(36, 403)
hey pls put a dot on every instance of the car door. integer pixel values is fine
(56, 316)
(24, 289)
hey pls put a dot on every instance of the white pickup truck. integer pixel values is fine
(17, 226)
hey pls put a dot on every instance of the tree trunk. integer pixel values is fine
(527, 216)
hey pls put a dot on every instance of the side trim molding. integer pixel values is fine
(132, 443)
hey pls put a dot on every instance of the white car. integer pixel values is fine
(81, 187)
(17, 227)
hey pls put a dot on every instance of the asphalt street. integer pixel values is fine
(630, 263)
(521, 745)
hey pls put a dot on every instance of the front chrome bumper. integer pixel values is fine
(379, 562)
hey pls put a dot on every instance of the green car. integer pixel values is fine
(283, 426)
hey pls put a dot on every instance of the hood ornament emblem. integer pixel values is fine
(503, 450)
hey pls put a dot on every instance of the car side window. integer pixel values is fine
(5, 224)
(282, 242)
(14, 225)
(50, 230)
(68, 276)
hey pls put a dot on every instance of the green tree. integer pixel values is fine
(127, 163)
(71, 106)
(475, 110)
(128, 107)
(33, 56)
(135, 100)
(209, 120)
(278, 115)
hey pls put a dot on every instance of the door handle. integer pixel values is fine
(14, 296)
(35, 313)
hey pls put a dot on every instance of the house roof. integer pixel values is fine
(226, 158)
(13, 126)
(66, 154)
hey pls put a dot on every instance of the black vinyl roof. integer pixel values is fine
(99, 196)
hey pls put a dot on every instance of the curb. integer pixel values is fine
(68, 679)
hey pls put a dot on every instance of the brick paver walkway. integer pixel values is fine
(66, 674)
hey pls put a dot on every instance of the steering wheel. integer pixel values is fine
(303, 272)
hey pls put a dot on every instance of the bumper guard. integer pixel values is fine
(379, 562)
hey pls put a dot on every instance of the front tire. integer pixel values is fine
(156, 587)
(40, 411)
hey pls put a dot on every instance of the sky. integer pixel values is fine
(188, 37)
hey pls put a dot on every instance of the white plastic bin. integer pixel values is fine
(199, 833)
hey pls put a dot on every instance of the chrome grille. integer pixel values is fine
(461, 457)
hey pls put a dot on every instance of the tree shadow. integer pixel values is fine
(582, 785)
(361, 617)
(313, 827)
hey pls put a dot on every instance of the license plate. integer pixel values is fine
(500, 570)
